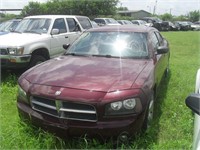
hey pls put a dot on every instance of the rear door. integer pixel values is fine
(74, 29)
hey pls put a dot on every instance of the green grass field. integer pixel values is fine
(172, 126)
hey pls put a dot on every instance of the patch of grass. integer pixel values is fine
(172, 126)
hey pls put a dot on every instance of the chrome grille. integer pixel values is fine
(65, 110)
(3, 51)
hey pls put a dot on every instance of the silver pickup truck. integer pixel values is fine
(39, 38)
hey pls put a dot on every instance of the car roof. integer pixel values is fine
(53, 16)
(137, 20)
(124, 28)
(103, 18)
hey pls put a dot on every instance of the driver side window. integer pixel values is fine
(154, 40)
(160, 39)
(60, 24)
(72, 24)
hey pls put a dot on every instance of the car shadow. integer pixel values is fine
(10, 76)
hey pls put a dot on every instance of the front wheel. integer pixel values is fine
(35, 60)
(149, 113)
(167, 70)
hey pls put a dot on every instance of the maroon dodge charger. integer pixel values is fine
(104, 84)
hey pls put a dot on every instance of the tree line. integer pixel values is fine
(91, 8)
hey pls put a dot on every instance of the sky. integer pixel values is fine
(176, 7)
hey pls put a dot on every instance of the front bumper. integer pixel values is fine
(14, 62)
(65, 128)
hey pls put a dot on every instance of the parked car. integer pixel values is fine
(7, 26)
(177, 25)
(171, 26)
(106, 21)
(39, 38)
(124, 22)
(193, 102)
(197, 22)
(194, 26)
(141, 22)
(105, 84)
(157, 23)
(184, 26)
(94, 24)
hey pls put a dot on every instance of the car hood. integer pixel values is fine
(19, 39)
(3, 32)
(87, 73)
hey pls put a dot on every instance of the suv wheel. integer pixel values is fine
(35, 60)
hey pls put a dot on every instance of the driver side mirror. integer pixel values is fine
(162, 49)
(55, 31)
(193, 102)
(66, 46)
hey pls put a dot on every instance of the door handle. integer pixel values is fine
(66, 37)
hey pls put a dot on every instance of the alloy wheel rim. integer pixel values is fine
(150, 112)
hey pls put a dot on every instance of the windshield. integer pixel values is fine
(8, 25)
(110, 20)
(158, 20)
(142, 22)
(111, 44)
(34, 25)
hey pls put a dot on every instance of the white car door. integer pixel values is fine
(60, 38)
(74, 29)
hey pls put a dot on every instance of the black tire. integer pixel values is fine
(167, 71)
(35, 60)
(149, 113)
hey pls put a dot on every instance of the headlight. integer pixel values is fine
(116, 105)
(129, 103)
(22, 95)
(127, 106)
(16, 50)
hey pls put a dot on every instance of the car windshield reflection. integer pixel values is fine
(34, 25)
(111, 44)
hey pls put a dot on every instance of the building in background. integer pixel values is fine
(135, 14)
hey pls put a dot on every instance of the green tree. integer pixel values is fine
(122, 8)
(2, 15)
(33, 8)
(181, 18)
(72, 7)
(166, 17)
(194, 15)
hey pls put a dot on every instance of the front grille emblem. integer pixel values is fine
(58, 93)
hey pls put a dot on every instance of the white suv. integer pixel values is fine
(39, 38)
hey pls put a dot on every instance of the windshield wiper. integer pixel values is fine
(70, 54)
(15, 31)
(77, 54)
(31, 31)
(107, 56)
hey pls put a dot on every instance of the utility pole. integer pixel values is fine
(149, 8)
(154, 10)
